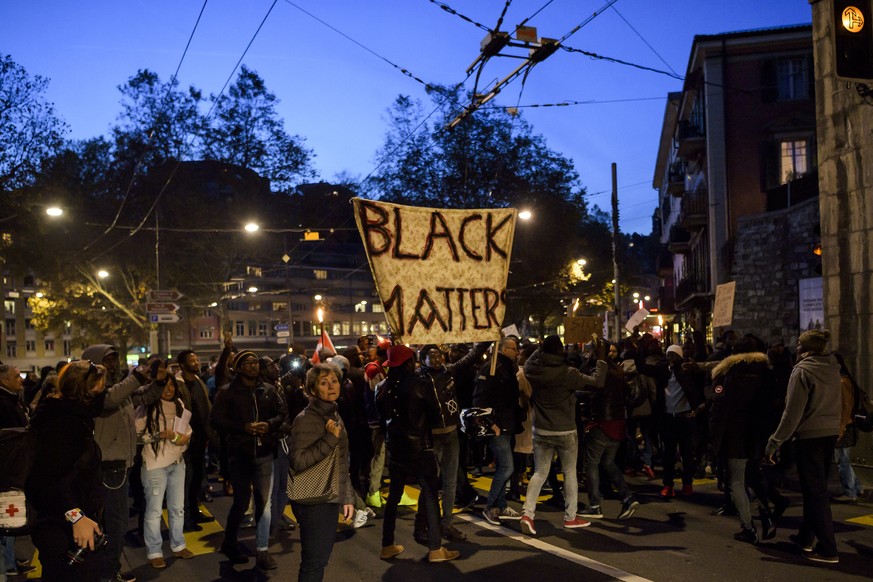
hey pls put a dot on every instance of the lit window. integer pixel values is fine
(794, 160)
(49, 345)
(320, 273)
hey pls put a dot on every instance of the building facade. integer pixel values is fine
(738, 141)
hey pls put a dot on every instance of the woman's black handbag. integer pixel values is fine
(316, 484)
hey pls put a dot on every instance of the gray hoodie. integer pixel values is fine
(813, 403)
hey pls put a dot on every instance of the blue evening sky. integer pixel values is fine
(334, 92)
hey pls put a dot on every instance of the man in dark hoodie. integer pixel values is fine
(554, 387)
(812, 414)
(115, 433)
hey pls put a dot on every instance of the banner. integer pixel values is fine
(441, 274)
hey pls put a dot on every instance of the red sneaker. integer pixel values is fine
(648, 471)
(576, 522)
(687, 489)
(667, 492)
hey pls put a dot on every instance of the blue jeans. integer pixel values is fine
(736, 469)
(250, 476)
(317, 533)
(501, 446)
(545, 447)
(7, 556)
(446, 448)
(169, 480)
(851, 483)
(600, 451)
(279, 498)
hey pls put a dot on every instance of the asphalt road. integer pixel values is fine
(665, 541)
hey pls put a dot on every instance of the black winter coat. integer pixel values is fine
(235, 406)
(408, 434)
(12, 412)
(500, 393)
(741, 418)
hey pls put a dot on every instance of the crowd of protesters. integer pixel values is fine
(596, 413)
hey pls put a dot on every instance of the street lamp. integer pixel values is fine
(252, 227)
(54, 211)
(252, 289)
(102, 273)
(525, 215)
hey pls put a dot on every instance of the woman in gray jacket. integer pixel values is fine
(316, 432)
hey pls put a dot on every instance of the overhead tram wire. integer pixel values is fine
(451, 10)
(666, 64)
(543, 7)
(151, 135)
(574, 103)
(208, 114)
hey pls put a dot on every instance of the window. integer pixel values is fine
(28, 324)
(240, 328)
(377, 308)
(792, 79)
(320, 274)
(68, 347)
(300, 307)
(254, 306)
(236, 306)
(11, 349)
(49, 345)
(9, 306)
(280, 306)
(30, 345)
(10, 328)
(793, 161)
(253, 328)
(207, 332)
(254, 271)
(262, 329)
(347, 328)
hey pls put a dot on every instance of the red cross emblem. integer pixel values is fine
(11, 510)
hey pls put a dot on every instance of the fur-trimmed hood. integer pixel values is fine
(749, 358)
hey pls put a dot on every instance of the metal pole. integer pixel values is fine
(617, 332)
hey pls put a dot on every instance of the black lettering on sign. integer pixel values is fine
(375, 228)
(492, 301)
(474, 307)
(396, 297)
(447, 291)
(463, 233)
(398, 228)
(461, 294)
(443, 233)
(490, 233)
(418, 316)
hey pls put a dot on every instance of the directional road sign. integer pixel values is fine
(161, 307)
(160, 295)
(281, 327)
(164, 317)
(283, 334)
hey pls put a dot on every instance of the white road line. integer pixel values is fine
(555, 551)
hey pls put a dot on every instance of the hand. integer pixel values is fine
(261, 427)
(348, 512)
(228, 339)
(182, 441)
(333, 428)
(161, 373)
(84, 531)
(496, 429)
(167, 434)
(251, 428)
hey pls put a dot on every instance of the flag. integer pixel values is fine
(323, 342)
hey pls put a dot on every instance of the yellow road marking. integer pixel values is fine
(863, 520)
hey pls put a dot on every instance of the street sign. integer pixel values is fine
(281, 327)
(161, 307)
(283, 334)
(159, 295)
(164, 317)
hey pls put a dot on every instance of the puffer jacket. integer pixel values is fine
(813, 403)
(237, 405)
(500, 393)
(555, 386)
(310, 442)
(744, 392)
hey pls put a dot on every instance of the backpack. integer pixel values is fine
(16, 460)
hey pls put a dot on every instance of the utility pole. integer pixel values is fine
(617, 287)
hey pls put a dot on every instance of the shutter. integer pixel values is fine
(769, 85)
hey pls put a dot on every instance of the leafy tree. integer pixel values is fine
(245, 130)
(29, 129)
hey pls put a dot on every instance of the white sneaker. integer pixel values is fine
(509, 513)
(361, 517)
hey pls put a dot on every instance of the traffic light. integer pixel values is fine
(853, 39)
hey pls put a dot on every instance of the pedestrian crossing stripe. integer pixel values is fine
(200, 542)
(863, 520)
(35, 562)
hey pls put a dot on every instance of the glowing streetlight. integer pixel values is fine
(581, 262)
(102, 273)
(252, 289)
(647, 298)
(317, 297)
(213, 304)
(525, 215)
(54, 211)
(252, 227)
(39, 295)
(636, 295)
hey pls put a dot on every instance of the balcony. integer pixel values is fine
(676, 178)
(694, 212)
(680, 240)
(690, 291)
(691, 138)
(665, 262)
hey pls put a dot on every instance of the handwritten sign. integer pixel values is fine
(723, 312)
(441, 274)
(636, 319)
(578, 329)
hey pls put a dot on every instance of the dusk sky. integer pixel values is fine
(334, 92)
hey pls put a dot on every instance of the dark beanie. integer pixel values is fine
(241, 356)
(814, 340)
(553, 345)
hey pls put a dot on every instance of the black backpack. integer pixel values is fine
(386, 399)
(17, 446)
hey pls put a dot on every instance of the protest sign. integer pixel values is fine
(723, 312)
(579, 329)
(441, 274)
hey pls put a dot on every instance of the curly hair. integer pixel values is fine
(316, 372)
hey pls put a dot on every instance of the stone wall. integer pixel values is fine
(845, 169)
(772, 252)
